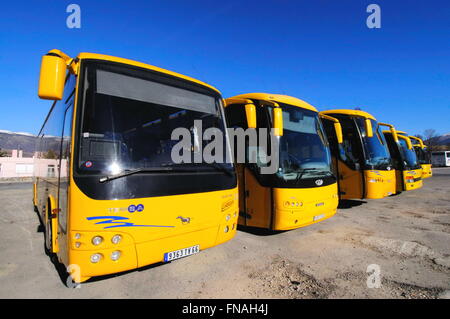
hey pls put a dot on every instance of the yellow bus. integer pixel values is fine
(362, 161)
(303, 189)
(408, 172)
(423, 156)
(106, 188)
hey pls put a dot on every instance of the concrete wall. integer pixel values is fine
(19, 167)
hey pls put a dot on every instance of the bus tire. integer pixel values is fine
(48, 231)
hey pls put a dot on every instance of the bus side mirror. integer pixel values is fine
(408, 142)
(337, 127)
(394, 134)
(250, 113)
(338, 130)
(392, 129)
(52, 77)
(368, 125)
(278, 121)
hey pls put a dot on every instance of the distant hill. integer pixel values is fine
(18, 140)
(444, 139)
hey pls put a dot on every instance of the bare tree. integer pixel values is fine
(431, 139)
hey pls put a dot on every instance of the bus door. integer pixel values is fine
(258, 202)
(351, 178)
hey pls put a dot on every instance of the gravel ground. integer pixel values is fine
(406, 236)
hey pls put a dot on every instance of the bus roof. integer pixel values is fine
(350, 112)
(286, 99)
(86, 55)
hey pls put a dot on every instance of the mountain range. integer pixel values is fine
(26, 141)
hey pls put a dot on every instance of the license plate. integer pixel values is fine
(318, 217)
(172, 255)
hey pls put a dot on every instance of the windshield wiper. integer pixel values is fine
(214, 165)
(302, 172)
(140, 170)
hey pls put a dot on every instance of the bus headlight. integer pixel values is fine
(95, 258)
(115, 255)
(97, 240)
(116, 239)
(227, 218)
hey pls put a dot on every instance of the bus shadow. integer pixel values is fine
(396, 194)
(66, 281)
(349, 203)
(104, 277)
(259, 231)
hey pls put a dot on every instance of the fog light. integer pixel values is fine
(116, 239)
(115, 255)
(97, 240)
(95, 258)
(77, 245)
(227, 229)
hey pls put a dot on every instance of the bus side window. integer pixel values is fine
(351, 148)
(331, 136)
(66, 142)
(235, 116)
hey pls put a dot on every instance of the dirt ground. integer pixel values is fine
(407, 236)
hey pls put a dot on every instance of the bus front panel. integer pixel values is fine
(379, 183)
(148, 228)
(426, 171)
(298, 207)
(412, 179)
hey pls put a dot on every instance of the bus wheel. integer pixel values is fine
(48, 232)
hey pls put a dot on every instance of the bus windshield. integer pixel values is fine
(128, 119)
(408, 156)
(423, 156)
(375, 147)
(304, 151)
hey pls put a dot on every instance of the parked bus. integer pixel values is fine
(362, 162)
(408, 172)
(303, 190)
(423, 156)
(107, 190)
(441, 158)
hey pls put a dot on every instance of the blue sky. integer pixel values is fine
(320, 51)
